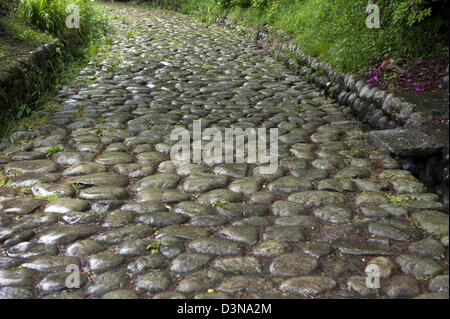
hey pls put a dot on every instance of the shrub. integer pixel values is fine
(51, 15)
(335, 30)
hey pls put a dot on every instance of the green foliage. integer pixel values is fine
(218, 203)
(3, 182)
(25, 190)
(335, 30)
(76, 186)
(33, 123)
(48, 198)
(23, 32)
(153, 247)
(41, 21)
(51, 16)
(53, 150)
(6, 6)
(394, 199)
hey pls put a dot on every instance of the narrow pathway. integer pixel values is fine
(91, 185)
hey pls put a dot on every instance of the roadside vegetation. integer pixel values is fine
(408, 52)
(28, 24)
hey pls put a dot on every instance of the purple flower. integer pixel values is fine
(440, 86)
(419, 89)
(373, 79)
(383, 64)
(418, 62)
(413, 3)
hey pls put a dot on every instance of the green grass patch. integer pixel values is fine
(218, 203)
(77, 186)
(335, 30)
(53, 16)
(20, 30)
(35, 22)
(48, 198)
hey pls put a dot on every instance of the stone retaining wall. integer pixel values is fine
(381, 112)
(379, 109)
(18, 84)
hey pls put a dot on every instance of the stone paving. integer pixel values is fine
(95, 188)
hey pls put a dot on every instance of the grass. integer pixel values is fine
(48, 198)
(65, 72)
(77, 186)
(3, 182)
(289, 129)
(25, 190)
(26, 33)
(175, 113)
(51, 16)
(335, 30)
(52, 107)
(30, 123)
(32, 23)
(219, 202)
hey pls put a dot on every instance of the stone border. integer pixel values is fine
(384, 113)
(379, 109)
(17, 83)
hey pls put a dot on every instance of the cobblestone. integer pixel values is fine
(142, 225)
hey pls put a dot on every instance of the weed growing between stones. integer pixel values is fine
(154, 247)
(53, 150)
(47, 198)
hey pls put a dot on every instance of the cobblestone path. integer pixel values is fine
(94, 187)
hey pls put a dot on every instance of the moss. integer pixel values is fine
(218, 203)
(394, 199)
(21, 31)
(48, 198)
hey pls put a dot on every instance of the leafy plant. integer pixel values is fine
(335, 30)
(394, 199)
(77, 186)
(3, 182)
(153, 247)
(289, 128)
(51, 16)
(53, 150)
(218, 203)
(25, 190)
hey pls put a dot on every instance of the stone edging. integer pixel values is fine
(370, 105)
(389, 117)
(18, 82)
